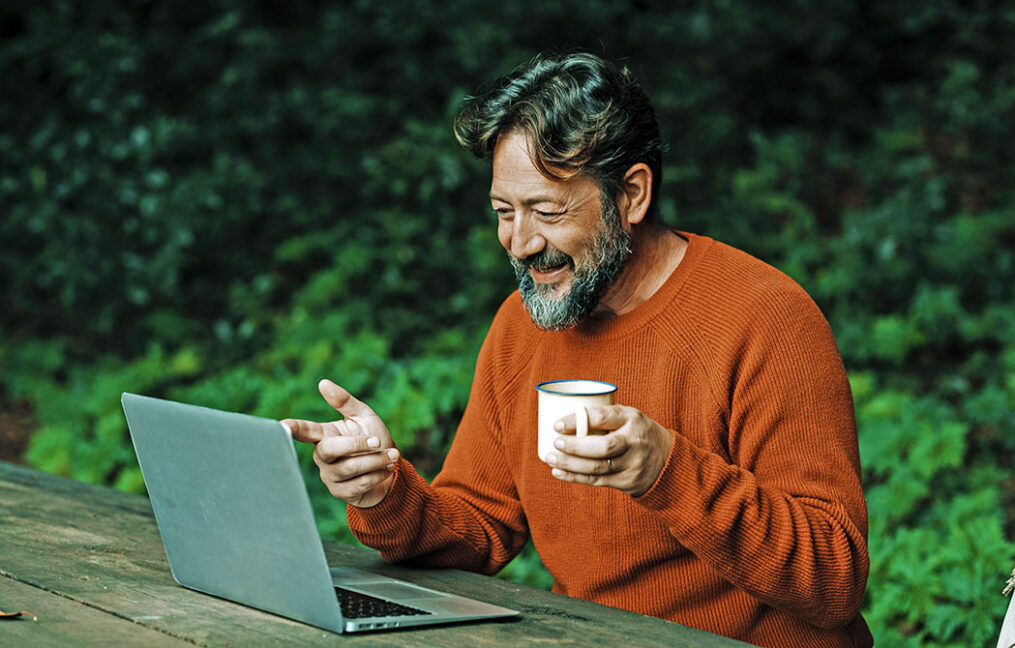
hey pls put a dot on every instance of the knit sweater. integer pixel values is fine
(755, 528)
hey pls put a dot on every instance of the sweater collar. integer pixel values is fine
(637, 318)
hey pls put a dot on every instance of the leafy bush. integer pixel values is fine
(224, 202)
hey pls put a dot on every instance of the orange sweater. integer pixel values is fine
(756, 528)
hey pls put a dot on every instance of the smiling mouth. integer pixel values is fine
(548, 269)
(548, 274)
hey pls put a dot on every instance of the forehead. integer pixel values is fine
(517, 178)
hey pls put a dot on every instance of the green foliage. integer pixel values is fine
(225, 202)
(934, 562)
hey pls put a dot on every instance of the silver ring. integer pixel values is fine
(609, 462)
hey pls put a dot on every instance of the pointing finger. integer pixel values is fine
(305, 431)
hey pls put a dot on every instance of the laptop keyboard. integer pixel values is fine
(361, 606)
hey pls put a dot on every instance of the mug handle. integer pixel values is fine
(581, 420)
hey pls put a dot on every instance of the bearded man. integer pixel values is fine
(723, 490)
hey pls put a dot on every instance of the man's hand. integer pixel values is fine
(355, 455)
(629, 457)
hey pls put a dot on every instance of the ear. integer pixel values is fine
(636, 193)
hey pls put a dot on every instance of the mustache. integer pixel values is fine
(549, 258)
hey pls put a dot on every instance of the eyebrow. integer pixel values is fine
(535, 200)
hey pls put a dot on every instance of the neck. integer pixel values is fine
(656, 251)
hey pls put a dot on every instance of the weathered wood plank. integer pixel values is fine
(63, 622)
(102, 547)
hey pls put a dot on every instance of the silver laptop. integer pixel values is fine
(236, 522)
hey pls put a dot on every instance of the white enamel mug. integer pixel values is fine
(558, 398)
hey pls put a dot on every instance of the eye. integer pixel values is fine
(548, 215)
(503, 213)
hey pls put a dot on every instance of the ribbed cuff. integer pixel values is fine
(678, 487)
(390, 513)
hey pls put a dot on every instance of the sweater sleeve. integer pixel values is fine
(470, 517)
(783, 516)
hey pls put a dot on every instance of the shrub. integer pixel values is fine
(224, 202)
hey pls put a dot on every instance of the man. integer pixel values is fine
(724, 491)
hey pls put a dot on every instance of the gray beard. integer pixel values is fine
(610, 252)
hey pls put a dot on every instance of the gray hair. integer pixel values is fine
(583, 115)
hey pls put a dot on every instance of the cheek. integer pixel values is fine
(572, 246)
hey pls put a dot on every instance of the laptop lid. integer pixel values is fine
(232, 508)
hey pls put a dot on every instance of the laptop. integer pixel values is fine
(236, 522)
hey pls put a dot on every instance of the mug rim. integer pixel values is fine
(543, 387)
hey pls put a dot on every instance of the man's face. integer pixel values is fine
(564, 249)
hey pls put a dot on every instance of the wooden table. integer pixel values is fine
(89, 563)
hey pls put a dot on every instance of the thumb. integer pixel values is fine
(345, 403)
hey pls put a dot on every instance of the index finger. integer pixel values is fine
(305, 431)
(606, 417)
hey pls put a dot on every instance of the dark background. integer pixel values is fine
(224, 201)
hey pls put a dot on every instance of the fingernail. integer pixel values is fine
(558, 426)
(551, 459)
(559, 444)
(557, 472)
(374, 442)
(393, 454)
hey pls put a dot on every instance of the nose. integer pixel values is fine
(524, 238)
